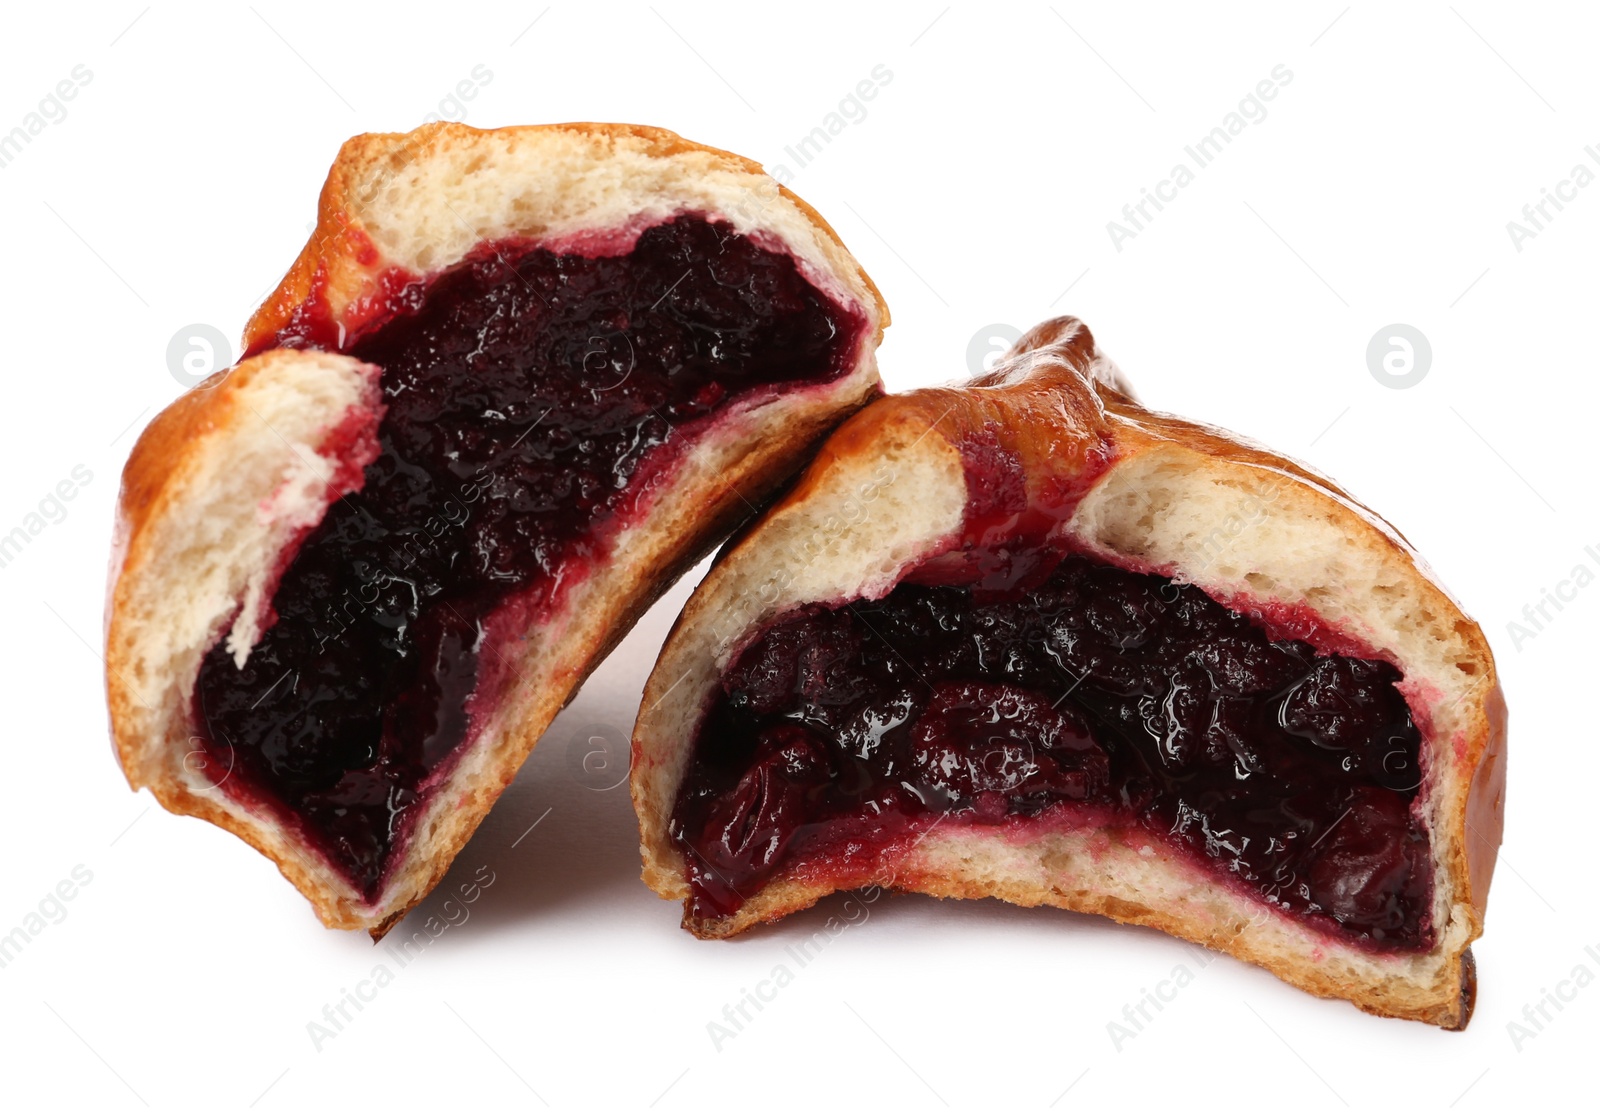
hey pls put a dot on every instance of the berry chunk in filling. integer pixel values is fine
(535, 402)
(1099, 697)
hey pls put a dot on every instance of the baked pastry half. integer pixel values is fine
(517, 382)
(1026, 639)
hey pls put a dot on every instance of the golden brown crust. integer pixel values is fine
(1040, 410)
(338, 274)
(341, 254)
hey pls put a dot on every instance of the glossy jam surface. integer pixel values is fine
(533, 401)
(1098, 696)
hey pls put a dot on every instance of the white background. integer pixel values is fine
(976, 191)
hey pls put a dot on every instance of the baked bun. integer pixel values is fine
(1028, 640)
(517, 382)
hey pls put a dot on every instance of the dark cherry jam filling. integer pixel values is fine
(533, 401)
(1098, 696)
